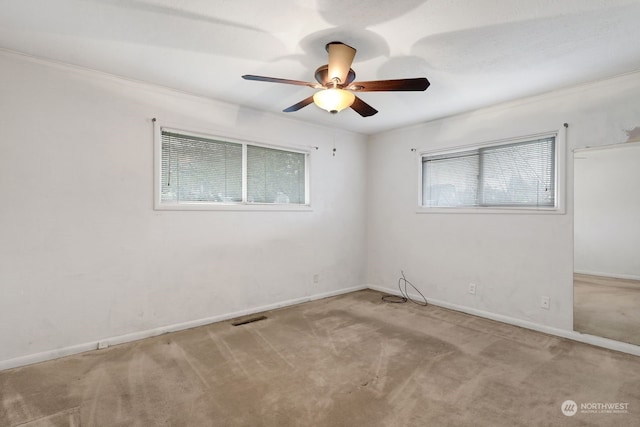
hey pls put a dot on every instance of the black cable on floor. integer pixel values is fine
(405, 295)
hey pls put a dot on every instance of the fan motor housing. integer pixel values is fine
(322, 76)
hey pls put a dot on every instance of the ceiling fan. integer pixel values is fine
(336, 81)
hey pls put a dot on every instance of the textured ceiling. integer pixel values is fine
(474, 52)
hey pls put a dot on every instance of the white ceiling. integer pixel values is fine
(474, 52)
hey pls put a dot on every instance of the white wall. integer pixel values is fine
(85, 257)
(513, 259)
(607, 211)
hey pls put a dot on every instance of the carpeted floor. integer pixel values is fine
(607, 307)
(350, 361)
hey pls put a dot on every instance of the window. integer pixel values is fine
(513, 175)
(198, 170)
(275, 176)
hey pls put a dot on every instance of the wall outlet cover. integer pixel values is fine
(545, 302)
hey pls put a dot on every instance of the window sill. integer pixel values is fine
(259, 207)
(492, 210)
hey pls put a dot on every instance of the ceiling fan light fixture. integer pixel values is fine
(336, 81)
(333, 100)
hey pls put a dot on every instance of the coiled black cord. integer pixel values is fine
(395, 299)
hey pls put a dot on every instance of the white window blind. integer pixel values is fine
(275, 176)
(509, 175)
(519, 174)
(450, 181)
(196, 169)
(201, 170)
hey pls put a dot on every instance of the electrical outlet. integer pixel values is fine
(545, 302)
(316, 278)
(102, 345)
(472, 288)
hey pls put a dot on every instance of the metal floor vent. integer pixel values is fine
(248, 320)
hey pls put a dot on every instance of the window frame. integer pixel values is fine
(161, 205)
(559, 177)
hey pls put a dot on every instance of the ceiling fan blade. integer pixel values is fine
(418, 84)
(340, 60)
(276, 80)
(299, 105)
(362, 108)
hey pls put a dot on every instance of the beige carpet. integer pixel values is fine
(607, 307)
(345, 361)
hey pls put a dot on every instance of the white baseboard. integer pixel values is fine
(572, 335)
(614, 275)
(120, 339)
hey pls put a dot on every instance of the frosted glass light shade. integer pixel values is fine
(333, 100)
